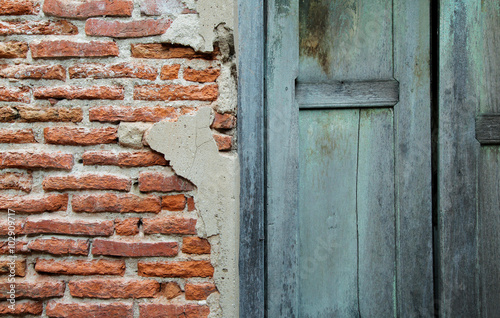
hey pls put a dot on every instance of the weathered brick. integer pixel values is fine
(163, 7)
(173, 310)
(34, 204)
(184, 269)
(75, 227)
(224, 121)
(169, 51)
(86, 182)
(109, 202)
(64, 48)
(202, 76)
(80, 267)
(190, 204)
(224, 142)
(20, 247)
(155, 181)
(35, 290)
(31, 160)
(80, 136)
(17, 136)
(170, 290)
(15, 94)
(85, 310)
(100, 288)
(124, 159)
(115, 114)
(13, 49)
(28, 113)
(170, 72)
(86, 9)
(131, 249)
(173, 202)
(157, 92)
(7, 114)
(121, 70)
(195, 245)
(129, 29)
(26, 71)
(60, 246)
(19, 7)
(18, 268)
(18, 227)
(199, 291)
(169, 225)
(37, 28)
(127, 227)
(75, 92)
(22, 308)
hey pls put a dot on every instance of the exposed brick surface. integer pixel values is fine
(22, 308)
(15, 94)
(195, 245)
(31, 160)
(18, 227)
(80, 136)
(80, 267)
(109, 202)
(16, 181)
(29, 113)
(153, 181)
(199, 291)
(129, 29)
(85, 310)
(176, 269)
(224, 142)
(7, 114)
(161, 7)
(64, 48)
(34, 204)
(13, 49)
(190, 204)
(173, 202)
(26, 71)
(34, 290)
(75, 92)
(168, 51)
(17, 267)
(75, 227)
(224, 121)
(170, 290)
(86, 182)
(131, 114)
(124, 159)
(21, 247)
(121, 70)
(85, 9)
(202, 76)
(127, 227)
(37, 28)
(171, 310)
(130, 249)
(157, 92)
(169, 225)
(170, 72)
(19, 7)
(100, 288)
(17, 136)
(60, 246)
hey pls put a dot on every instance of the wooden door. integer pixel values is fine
(349, 198)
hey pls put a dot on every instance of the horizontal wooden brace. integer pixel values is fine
(488, 129)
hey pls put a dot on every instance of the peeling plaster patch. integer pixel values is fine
(212, 14)
(193, 154)
(185, 30)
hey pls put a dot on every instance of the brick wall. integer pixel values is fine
(104, 226)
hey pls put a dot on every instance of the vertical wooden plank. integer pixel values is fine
(458, 159)
(251, 154)
(282, 157)
(376, 214)
(413, 159)
(328, 249)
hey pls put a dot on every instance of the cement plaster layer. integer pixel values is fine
(193, 154)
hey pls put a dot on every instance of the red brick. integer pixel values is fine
(34, 290)
(86, 9)
(18, 267)
(176, 269)
(75, 92)
(100, 288)
(4, 227)
(129, 29)
(199, 291)
(155, 181)
(19, 7)
(124, 159)
(37, 28)
(170, 72)
(60, 246)
(26, 71)
(17, 136)
(173, 310)
(31, 160)
(13, 49)
(34, 204)
(190, 204)
(115, 114)
(86, 182)
(80, 136)
(202, 76)
(224, 142)
(80, 267)
(109, 202)
(170, 290)
(15, 94)
(130, 249)
(20, 247)
(22, 308)
(75, 227)
(224, 121)
(85, 310)
(173, 202)
(64, 48)
(157, 92)
(169, 51)
(169, 225)
(7, 114)
(195, 245)
(16, 181)
(28, 113)
(127, 227)
(163, 7)
(121, 70)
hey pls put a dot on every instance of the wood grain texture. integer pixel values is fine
(488, 129)
(348, 94)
